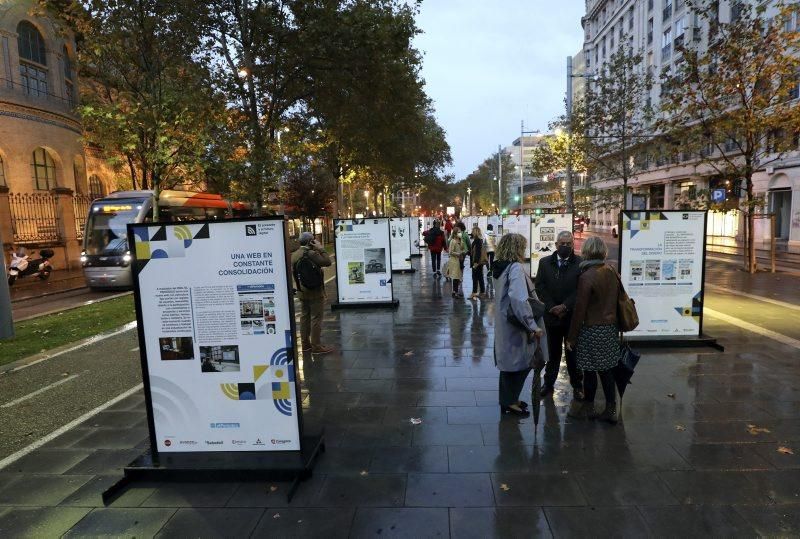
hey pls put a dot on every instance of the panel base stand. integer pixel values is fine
(416, 255)
(409, 270)
(294, 466)
(366, 305)
(675, 342)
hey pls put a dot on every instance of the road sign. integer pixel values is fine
(718, 196)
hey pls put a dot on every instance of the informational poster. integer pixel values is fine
(518, 224)
(661, 264)
(363, 260)
(496, 222)
(217, 335)
(544, 232)
(427, 224)
(401, 243)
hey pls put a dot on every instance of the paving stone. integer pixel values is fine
(91, 493)
(409, 459)
(40, 490)
(121, 522)
(612, 488)
(498, 522)
(596, 522)
(724, 457)
(449, 435)
(479, 458)
(517, 489)
(191, 495)
(105, 461)
(49, 461)
(306, 523)
(39, 521)
(714, 488)
(369, 490)
(449, 490)
(400, 522)
(773, 521)
(212, 523)
(696, 521)
(274, 493)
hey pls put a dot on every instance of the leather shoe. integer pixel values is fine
(508, 410)
(547, 391)
(320, 350)
(577, 394)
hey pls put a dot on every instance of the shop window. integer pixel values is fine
(657, 196)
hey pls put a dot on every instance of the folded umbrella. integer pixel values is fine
(623, 370)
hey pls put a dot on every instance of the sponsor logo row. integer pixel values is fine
(168, 442)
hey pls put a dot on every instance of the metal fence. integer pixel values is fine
(80, 205)
(34, 217)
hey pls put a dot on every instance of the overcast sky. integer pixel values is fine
(488, 64)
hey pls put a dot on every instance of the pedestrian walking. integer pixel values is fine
(455, 264)
(594, 329)
(435, 240)
(557, 287)
(490, 245)
(461, 229)
(519, 340)
(448, 228)
(478, 259)
(307, 263)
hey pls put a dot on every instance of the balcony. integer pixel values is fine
(666, 14)
(13, 92)
(678, 43)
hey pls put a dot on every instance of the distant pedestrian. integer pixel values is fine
(307, 263)
(461, 228)
(594, 330)
(519, 340)
(435, 240)
(477, 259)
(490, 244)
(448, 228)
(557, 287)
(455, 264)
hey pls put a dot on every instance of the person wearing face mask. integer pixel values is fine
(557, 287)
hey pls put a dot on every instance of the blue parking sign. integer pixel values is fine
(718, 196)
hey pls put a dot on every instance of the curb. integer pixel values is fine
(64, 309)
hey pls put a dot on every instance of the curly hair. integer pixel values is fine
(511, 248)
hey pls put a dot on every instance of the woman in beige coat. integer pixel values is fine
(453, 269)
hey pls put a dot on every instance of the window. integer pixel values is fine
(96, 187)
(667, 12)
(649, 5)
(679, 5)
(630, 19)
(2, 173)
(32, 60)
(69, 85)
(649, 31)
(621, 29)
(666, 44)
(680, 29)
(612, 39)
(790, 25)
(44, 170)
(603, 50)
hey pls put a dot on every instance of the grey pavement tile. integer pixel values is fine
(68, 439)
(134, 402)
(730, 411)
(91, 493)
(345, 459)
(779, 460)
(447, 435)
(449, 490)
(473, 415)
(318, 399)
(334, 415)
(105, 461)
(613, 488)
(40, 490)
(518, 489)
(772, 521)
(39, 521)
(400, 522)
(402, 415)
(409, 459)
(419, 384)
(121, 419)
(467, 384)
(498, 522)
(133, 522)
(724, 457)
(780, 409)
(357, 490)
(408, 398)
(274, 493)
(484, 459)
(377, 436)
(48, 461)
(779, 487)
(191, 495)
(225, 522)
(363, 386)
(112, 438)
(696, 521)
(713, 488)
(306, 523)
(599, 522)
(447, 398)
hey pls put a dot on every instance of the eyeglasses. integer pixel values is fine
(564, 243)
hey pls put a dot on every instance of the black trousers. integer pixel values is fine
(436, 261)
(556, 335)
(511, 386)
(590, 385)
(477, 280)
(491, 259)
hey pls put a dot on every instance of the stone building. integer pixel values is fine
(47, 176)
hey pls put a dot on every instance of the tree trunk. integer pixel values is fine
(750, 251)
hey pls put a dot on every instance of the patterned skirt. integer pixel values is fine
(598, 347)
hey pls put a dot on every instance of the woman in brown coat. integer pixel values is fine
(594, 332)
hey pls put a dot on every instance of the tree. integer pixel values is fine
(737, 104)
(484, 183)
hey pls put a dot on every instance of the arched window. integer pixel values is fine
(69, 84)
(32, 60)
(44, 170)
(2, 172)
(96, 187)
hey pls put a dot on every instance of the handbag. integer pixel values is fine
(627, 317)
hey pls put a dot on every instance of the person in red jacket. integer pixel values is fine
(435, 240)
(448, 229)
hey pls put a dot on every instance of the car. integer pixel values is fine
(373, 266)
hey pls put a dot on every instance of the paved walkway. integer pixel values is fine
(708, 445)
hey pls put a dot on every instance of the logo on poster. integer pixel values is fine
(224, 425)
(250, 230)
(279, 442)
(167, 442)
(258, 442)
(238, 442)
(214, 442)
(187, 442)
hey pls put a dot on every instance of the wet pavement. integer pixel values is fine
(708, 443)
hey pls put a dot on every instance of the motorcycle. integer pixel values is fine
(23, 266)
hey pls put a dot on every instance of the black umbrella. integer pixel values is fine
(623, 370)
(536, 387)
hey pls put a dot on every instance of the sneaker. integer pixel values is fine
(321, 350)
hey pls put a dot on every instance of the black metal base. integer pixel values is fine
(366, 305)
(295, 466)
(410, 270)
(675, 342)
(418, 255)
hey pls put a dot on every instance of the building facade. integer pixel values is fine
(657, 28)
(47, 177)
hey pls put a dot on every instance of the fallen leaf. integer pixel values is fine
(364, 472)
(415, 421)
(671, 395)
(680, 427)
(505, 487)
(276, 515)
(273, 488)
(785, 450)
(409, 354)
(755, 431)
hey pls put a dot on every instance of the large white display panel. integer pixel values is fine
(518, 224)
(544, 231)
(216, 329)
(363, 260)
(415, 227)
(401, 243)
(662, 264)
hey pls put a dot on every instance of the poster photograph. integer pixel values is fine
(544, 231)
(518, 224)
(400, 234)
(218, 345)
(363, 260)
(661, 266)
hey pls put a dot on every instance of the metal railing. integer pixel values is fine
(34, 217)
(80, 206)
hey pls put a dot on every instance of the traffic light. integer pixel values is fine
(505, 211)
(538, 211)
(516, 198)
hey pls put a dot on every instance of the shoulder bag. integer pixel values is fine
(537, 307)
(627, 317)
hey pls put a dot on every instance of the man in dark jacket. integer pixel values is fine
(312, 301)
(557, 287)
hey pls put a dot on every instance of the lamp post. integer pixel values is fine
(499, 177)
(522, 134)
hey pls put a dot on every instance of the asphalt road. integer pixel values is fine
(34, 306)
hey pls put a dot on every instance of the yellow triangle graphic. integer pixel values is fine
(258, 371)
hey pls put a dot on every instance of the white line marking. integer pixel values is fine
(72, 424)
(753, 296)
(332, 278)
(134, 349)
(87, 342)
(38, 391)
(754, 328)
